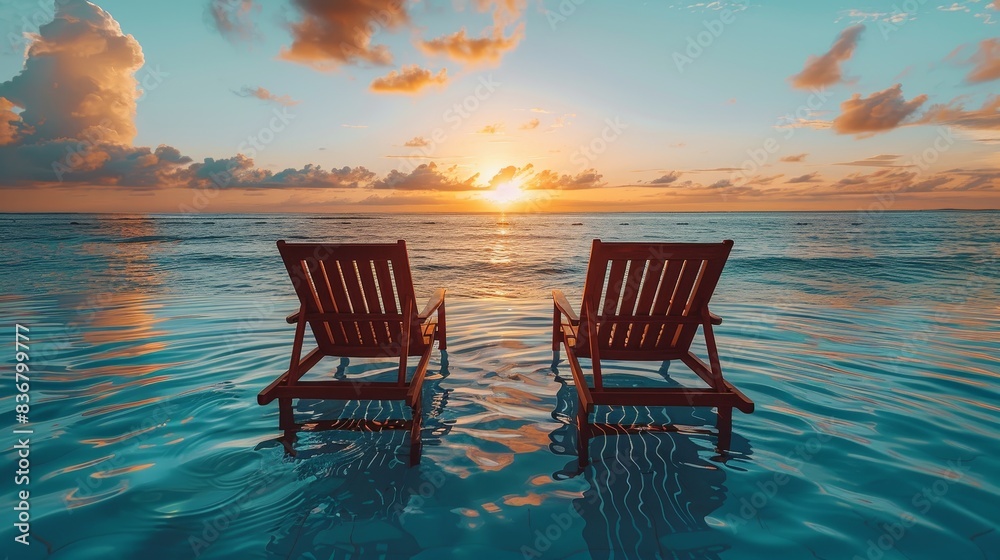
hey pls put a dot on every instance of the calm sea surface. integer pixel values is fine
(869, 343)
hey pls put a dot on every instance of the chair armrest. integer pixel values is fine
(716, 320)
(293, 318)
(435, 301)
(562, 304)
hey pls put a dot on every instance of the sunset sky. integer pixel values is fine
(488, 105)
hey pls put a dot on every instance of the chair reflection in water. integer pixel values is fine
(645, 302)
(358, 301)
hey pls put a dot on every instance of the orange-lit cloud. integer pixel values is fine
(531, 125)
(796, 158)
(551, 180)
(11, 125)
(265, 95)
(881, 160)
(824, 70)
(417, 142)
(494, 128)
(881, 111)
(408, 80)
(78, 79)
(331, 34)
(474, 50)
(427, 177)
(986, 117)
(239, 172)
(986, 61)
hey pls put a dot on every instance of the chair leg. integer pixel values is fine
(556, 320)
(583, 433)
(286, 418)
(415, 442)
(725, 427)
(442, 330)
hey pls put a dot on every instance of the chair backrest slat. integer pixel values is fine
(354, 294)
(644, 295)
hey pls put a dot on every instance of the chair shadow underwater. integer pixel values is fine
(358, 302)
(645, 302)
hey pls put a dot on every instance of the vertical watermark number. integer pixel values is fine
(22, 408)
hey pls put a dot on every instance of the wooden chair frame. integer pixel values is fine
(358, 301)
(655, 296)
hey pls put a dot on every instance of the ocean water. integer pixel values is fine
(869, 343)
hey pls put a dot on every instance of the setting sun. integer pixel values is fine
(506, 193)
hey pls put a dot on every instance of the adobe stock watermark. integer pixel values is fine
(587, 153)
(697, 43)
(455, 115)
(923, 501)
(253, 145)
(761, 155)
(750, 507)
(922, 161)
(563, 12)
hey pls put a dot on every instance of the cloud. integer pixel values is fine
(807, 178)
(531, 125)
(354, 125)
(72, 161)
(331, 34)
(410, 79)
(986, 117)
(666, 179)
(986, 61)
(239, 172)
(417, 142)
(78, 79)
(427, 177)
(234, 20)
(824, 70)
(458, 46)
(882, 160)
(261, 93)
(540, 110)
(551, 180)
(796, 158)
(881, 111)
(11, 126)
(495, 128)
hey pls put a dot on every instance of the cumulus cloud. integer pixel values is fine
(881, 111)
(78, 79)
(427, 177)
(796, 158)
(824, 70)
(410, 79)
(331, 34)
(239, 172)
(417, 142)
(531, 125)
(551, 180)
(265, 95)
(986, 62)
(460, 47)
(11, 126)
(234, 18)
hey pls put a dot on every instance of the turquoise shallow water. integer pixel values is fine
(869, 343)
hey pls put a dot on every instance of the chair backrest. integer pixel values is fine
(355, 296)
(645, 300)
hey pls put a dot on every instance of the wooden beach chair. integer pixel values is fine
(358, 301)
(645, 302)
